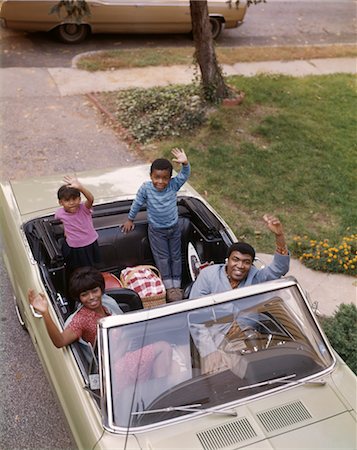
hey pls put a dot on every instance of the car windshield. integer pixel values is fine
(209, 358)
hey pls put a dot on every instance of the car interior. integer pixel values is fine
(200, 228)
(119, 250)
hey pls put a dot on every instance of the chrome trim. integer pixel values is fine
(17, 309)
(35, 313)
(189, 305)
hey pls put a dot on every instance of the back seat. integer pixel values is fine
(119, 250)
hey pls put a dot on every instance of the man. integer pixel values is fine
(238, 271)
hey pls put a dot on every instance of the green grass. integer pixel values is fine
(168, 56)
(289, 149)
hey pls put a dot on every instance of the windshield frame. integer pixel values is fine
(146, 315)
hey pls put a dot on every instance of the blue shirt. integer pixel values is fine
(161, 205)
(213, 279)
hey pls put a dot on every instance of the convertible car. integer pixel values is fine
(116, 16)
(249, 368)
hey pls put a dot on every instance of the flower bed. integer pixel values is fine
(326, 256)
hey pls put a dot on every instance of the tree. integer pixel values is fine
(214, 87)
(213, 84)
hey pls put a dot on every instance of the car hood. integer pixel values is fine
(305, 417)
(39, 195)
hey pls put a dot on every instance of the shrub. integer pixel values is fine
(160, 112)
(327, 257)
(341, 330)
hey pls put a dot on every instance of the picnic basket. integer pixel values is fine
(146, 281)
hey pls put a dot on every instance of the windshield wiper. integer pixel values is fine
(196, 407)
(286, 379)
(272, 381)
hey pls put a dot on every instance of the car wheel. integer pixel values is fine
(216, 25)
(72, 33)
(19, 315)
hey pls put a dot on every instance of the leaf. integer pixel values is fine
(75, 9)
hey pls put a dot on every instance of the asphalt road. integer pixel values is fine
(277, 22)
(68, 139)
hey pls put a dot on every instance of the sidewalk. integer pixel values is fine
(71, 81)
(78, 81)
(327, 289)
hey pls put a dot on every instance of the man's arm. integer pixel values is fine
(275, 226)
(281, 262)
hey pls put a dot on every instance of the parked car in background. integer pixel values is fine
(117, 16)
(248, 368)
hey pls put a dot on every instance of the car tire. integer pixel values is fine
(72, 33)
(216, 25)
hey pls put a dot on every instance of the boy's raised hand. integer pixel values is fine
(179, 156)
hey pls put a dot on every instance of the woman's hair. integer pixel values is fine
(161, 164)
(85, 279)
(241, 247)
(66, 192)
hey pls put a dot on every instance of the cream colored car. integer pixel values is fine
(117, 16)
(248, 369)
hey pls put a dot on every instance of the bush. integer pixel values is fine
(327, 257)
(341, 330)
(160, 112)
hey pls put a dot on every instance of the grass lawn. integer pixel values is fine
(290, 149)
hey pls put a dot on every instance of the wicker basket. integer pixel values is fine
(128, 278)
(155, 300)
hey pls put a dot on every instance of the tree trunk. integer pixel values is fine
(213, 84)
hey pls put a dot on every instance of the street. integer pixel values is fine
(277, 22)
(73, 137)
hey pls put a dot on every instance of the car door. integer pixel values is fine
(60, 365)
(146, 16)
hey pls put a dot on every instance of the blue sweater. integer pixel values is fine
(161, 205)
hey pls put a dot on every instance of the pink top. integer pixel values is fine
(78, 226)
(84, 324)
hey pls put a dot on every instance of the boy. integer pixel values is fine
(160, 197)
(80, 247)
